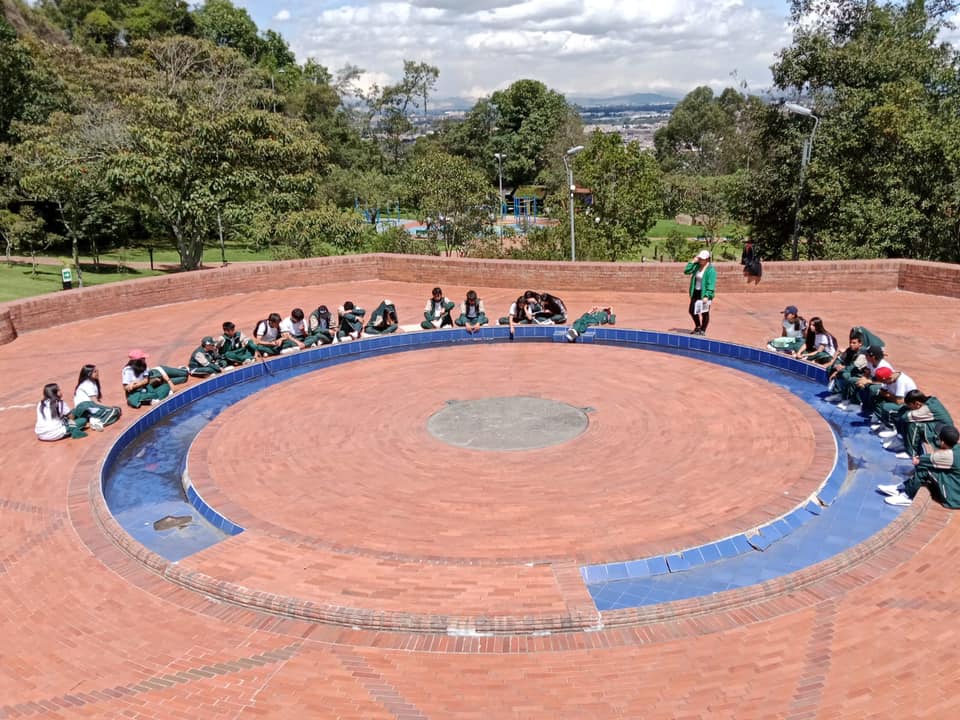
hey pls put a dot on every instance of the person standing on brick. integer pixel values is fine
(703, 284)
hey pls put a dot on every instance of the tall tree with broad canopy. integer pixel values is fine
(624, 181)
(198, 143)
(884, 179)
(454, 199)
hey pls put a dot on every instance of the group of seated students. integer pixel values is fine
(56, 419)
(804, 340)
(274, 335)
(914, 425)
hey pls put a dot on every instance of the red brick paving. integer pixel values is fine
(90, 632)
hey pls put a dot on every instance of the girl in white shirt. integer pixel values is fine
(819, 345)
(54, 419)
(86, 399)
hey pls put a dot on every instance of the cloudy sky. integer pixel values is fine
(579, 47)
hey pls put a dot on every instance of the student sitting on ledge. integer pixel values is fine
(383, 320)
(437, 313)
(472, 314)
(351, 321)
(939, 469)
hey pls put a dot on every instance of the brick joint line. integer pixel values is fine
(377, 687)
(154, 682)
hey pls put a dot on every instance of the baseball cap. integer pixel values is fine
(703, 255)
(207, 341)
(137, 355)
(883, 373)
(875, 351)
(790, 310)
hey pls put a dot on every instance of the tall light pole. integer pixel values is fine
(804, 161)
(500, 157)
(566, 163)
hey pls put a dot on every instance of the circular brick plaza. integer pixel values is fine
(350, 503)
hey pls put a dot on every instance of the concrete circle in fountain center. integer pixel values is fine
(507, 423)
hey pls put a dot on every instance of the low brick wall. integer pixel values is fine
(930, 278)
(823, 276)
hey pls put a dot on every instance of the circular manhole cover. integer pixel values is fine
(508, 423)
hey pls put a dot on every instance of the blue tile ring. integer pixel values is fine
(829, 521)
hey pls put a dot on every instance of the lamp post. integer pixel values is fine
(804, 161)
(500, 157)
(566, 163)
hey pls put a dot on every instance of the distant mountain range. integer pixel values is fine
(634, 99)
(440, 105)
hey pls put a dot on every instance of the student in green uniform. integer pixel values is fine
(867, 338)
(143, 385)
(819, 345)
(793, 329)
(235, 347)
(919, 423)
(319, 326)
(521, 311)
(54, 418)
(383, 320)
(269, 338)
(940, 469)
(350, 325)
(597, 316)
(438, 312)
(205, 360)
(86, 399)
(472, 313)
(552, 308)
(703, 285)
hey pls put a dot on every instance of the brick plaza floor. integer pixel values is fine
(401, 523)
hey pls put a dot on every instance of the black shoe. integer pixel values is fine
(695, 331)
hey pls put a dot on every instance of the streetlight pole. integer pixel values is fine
(804, 161)
(566, 163)
(500, 157)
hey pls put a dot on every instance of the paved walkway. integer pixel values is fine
(358, 505)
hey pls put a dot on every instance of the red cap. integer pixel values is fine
(137, 355)
(883, 373)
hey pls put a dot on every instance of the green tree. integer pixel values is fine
(29, 91)
(226, 25)
(200, 145)
(152, 19)
(625, 187)
(884, 171)
(529, 115)
(454, 199)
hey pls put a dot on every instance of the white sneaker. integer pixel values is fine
(772, 347)
(355, 335)
(249, 361)
(895, 444)
(891, 490)
(903, 456)
(572, 335)
(836, 397)
(887, 433)
(876, 426)
(843, 406)
(95, 424)
(900, 500)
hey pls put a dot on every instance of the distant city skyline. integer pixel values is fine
(595, 48)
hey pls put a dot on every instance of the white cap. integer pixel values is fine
(703, 255)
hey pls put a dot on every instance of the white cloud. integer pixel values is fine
(282, 16)
(574, 46)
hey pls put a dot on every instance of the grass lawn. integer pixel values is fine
(664, 227)
(169, 256)
(17, 281)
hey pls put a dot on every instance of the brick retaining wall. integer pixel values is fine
(30, 314)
